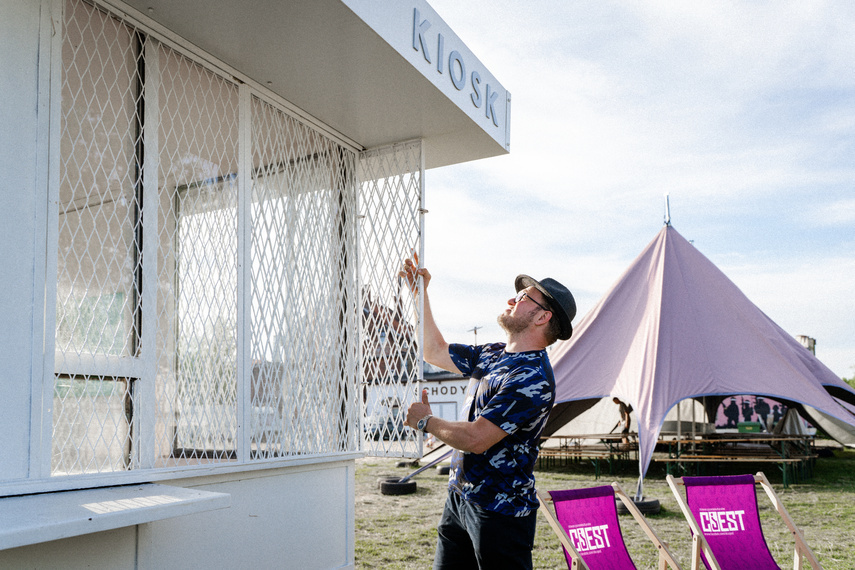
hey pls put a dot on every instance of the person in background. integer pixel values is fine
(625, 420)
(490, 513)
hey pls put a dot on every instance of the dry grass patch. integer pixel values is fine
(400, 531)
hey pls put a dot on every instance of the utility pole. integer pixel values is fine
(475, 330)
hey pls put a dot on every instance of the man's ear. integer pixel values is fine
(543, 318)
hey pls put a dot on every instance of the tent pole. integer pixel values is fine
(694, 431)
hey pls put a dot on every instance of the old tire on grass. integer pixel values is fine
(395, 487)
(645, 506)
(443, 469)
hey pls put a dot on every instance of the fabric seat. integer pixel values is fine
(726, 532)
(586, 522)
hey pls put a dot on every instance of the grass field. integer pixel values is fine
(400, 531)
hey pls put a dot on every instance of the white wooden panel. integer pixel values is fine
(300, 518)
(113, 550)
(19, 202)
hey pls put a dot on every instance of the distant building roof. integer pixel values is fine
(434, 373)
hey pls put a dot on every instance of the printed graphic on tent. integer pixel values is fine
(750, 409)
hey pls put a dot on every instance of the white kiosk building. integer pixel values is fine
(203, 209)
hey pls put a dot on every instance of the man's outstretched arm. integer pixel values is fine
(472, 437)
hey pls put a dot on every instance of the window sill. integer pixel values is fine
(61, 483)
(32, 519)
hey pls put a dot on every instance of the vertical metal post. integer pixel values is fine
(145, 392)
(694, 429)
(421, 330)
(51, 34)
(243, 362)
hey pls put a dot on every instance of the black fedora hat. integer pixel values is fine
(560, 299)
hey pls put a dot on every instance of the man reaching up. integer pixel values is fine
(490, 513)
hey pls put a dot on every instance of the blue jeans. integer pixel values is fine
(471, 537)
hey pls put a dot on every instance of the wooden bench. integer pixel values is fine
(784, 463)
(593, 453)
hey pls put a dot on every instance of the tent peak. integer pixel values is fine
(667, 209)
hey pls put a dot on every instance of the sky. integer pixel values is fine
(743, 113)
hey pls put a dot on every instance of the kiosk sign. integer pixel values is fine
(481, 94)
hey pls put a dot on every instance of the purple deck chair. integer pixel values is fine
(586, 522)
(726, 532)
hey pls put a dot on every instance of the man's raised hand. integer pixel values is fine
(418, 410)
(410, 271)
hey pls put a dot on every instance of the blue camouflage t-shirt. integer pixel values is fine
(515, 391)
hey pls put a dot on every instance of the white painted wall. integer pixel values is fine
(21, 203)
(297, 517)
(111, 550)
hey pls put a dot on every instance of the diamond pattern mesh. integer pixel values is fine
(303, 303)
(97, 295)
(390, 205)
(215, 291)
(197, 312)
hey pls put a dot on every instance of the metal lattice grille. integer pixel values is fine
(303, 259)
(97, 295)
(207, 306)
(197, 318)
(390, 207)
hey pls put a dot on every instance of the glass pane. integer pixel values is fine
(91, 429)
(98, 211)
(197, 266)
(206, 369)
(303, 290)
(97, 261)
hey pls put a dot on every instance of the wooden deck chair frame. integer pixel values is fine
(699, 543)
(666, 558)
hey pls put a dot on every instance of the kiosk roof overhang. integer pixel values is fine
(376, 72)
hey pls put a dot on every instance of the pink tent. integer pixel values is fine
(675, 327)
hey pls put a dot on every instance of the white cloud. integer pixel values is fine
(741, 110)
(837, 213)
(806, 297)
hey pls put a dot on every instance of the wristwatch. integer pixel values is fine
(422, 425)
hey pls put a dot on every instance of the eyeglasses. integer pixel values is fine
(523, 295)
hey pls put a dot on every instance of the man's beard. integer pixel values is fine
(513, 324)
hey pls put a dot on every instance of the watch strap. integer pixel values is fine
(422, 425)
